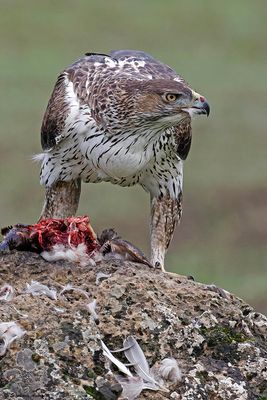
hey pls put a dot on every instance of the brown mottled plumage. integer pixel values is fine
(123, 118)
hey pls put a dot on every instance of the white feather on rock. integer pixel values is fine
(135, 355)
(7, 292)
(92, 310)
(107, 353)
(70, 288)
(169, 370)
(131, 386)
(9, 331)
(36, 289)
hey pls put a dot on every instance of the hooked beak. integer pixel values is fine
(200, 106)
(205, 108)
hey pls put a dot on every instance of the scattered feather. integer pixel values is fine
(18, 311)
(9, 331)
(169, 370)
(121, 350)
(107, 353)
(7, 292)
(59, 309)
(36, 289)
(131, 386)
(70, 288)
(92, 310)
(77, 254)
(100, 276)
(135, 355)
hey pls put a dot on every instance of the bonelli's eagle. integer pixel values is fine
(123, 118)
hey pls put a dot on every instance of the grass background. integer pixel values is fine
(220, 48)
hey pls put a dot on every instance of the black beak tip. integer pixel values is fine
(206, 108)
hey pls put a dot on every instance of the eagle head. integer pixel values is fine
(166, 102)
(152, 103)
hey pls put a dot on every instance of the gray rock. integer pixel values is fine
(218, 341)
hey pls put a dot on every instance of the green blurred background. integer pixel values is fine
(220, 48)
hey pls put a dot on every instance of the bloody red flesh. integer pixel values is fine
(49, 232)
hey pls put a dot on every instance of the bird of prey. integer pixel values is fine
(123, 118)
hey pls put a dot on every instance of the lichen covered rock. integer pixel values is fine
(218, 341)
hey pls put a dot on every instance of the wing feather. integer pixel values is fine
(60, 103)
(183, 138)
(55, 115)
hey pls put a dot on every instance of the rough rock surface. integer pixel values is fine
(218, 341)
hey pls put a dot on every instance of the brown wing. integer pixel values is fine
(183, 138)
(81, 74)
(55, 115)
(59, 105)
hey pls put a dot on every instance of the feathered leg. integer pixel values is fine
(165, 213)
(61, 199)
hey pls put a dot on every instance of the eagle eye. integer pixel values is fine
(170, 97)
